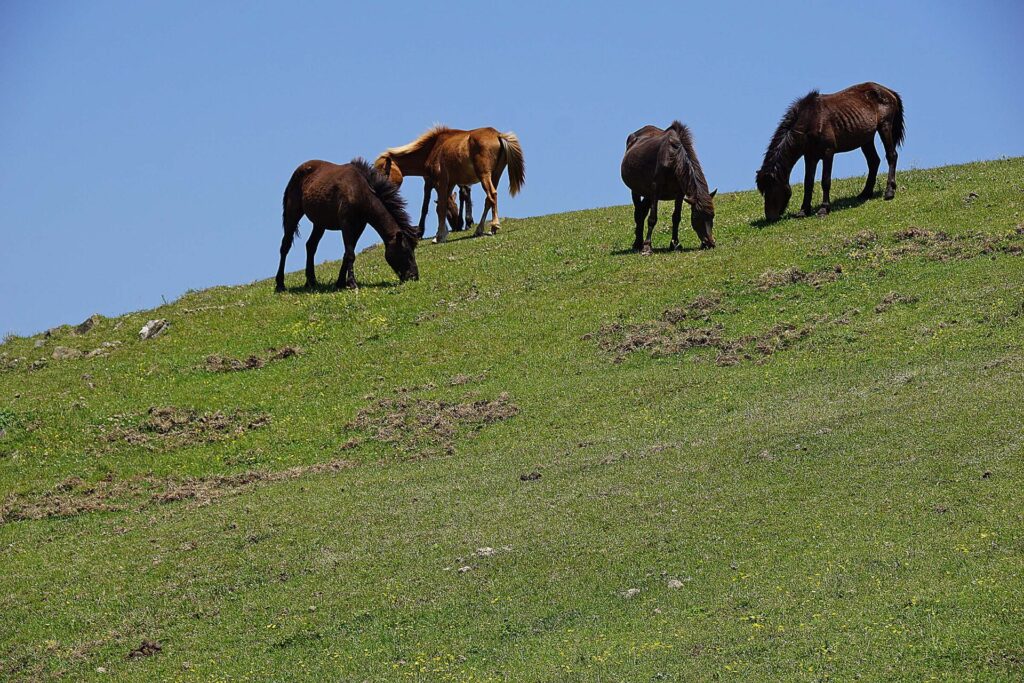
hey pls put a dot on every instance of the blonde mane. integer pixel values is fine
(418, 143)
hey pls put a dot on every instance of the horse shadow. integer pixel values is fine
(657, 250)
(840, 204)
(330, 288)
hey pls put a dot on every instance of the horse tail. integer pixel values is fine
(898, 126)
(291, 203)
(516, 166)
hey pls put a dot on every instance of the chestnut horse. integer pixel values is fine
(818, 126)
(662, 164)
(346, 198)
(446, 158)
(455, 212)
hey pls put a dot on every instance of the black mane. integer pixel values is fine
(780, 149)
(689, 165)
(387, 193)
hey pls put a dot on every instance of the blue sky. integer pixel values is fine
(144, 147)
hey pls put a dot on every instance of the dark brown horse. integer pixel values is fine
(346, 198)
(816, 127)
(662, 164)
(447, 158)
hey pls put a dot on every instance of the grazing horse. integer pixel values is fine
(662, 164)
(346, 197)
(818, 126)
(446, 158)
(454, 212)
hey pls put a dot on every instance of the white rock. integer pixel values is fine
(154, 328)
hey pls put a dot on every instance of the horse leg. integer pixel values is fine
(443, 189)
(885, 132)
(810, 166)
(311, 245)
(466, 204)
(286, 245)
(428, 187)
(491, 191)
(677, 214)
(347, 276)
(639, 211)
(871, 156)
(826, 183)
(652, 219)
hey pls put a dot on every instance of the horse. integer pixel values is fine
(447, 157)
(662, 164)
(346, 197)
(455, 212)
(816, 127)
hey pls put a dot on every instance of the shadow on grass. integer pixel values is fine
(657, 250)
(840, 204)
(330, 288)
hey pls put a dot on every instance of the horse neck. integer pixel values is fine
(690, 176)
(783, 156)
(381, 220)
(415, 162)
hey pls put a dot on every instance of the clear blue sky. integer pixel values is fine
(144, 147)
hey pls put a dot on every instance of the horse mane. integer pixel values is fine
(387, 192)
(783, 144)
(419, 143)
(689, 166)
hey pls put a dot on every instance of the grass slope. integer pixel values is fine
(828, 485)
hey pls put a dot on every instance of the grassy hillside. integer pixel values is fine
(797, 456)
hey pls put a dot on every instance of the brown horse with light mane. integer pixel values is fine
(816, 127)
(346, 197)
(447, 158)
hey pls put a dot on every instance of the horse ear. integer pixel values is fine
(714, 192)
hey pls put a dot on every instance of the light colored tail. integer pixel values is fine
(516, 165)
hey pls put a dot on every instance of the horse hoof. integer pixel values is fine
(889, 195)
(279, 288)
(823, 211)
(674, 246)
(647, 250)
(801, 214)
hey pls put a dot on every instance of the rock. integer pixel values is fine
(675, 584)
(463, 570)
(64, 353)
(485, 552)
(88, 324)
(531, 476)
(154, 328)
(39, 343)
(630, 593)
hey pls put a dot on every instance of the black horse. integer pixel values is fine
(816, 127)
(346, 197)
(662, 164)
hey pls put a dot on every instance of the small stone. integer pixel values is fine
(64, 353)
(88, 324)
(40, 343)
(153, 328)
(675, 584)
(485, 552)
(101, 670)
(464, 569)
(630, 593)
(531, 476)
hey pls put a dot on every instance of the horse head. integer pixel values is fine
(702, 218)
(776, 193)
(400, 253)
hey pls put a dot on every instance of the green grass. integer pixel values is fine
(848, 506)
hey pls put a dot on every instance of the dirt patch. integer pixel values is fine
(74, 496)
(217, 363)
(148, 648)
(893, 298)
(792, 276)
(170, 427)
(937, 245)
(420, 427)
(700, 308)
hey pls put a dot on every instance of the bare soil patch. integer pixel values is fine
(74, 496)
(937, 245)
(421, 427)
(892, 299)
(793, 276)
(169, 427)
(218, 363)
